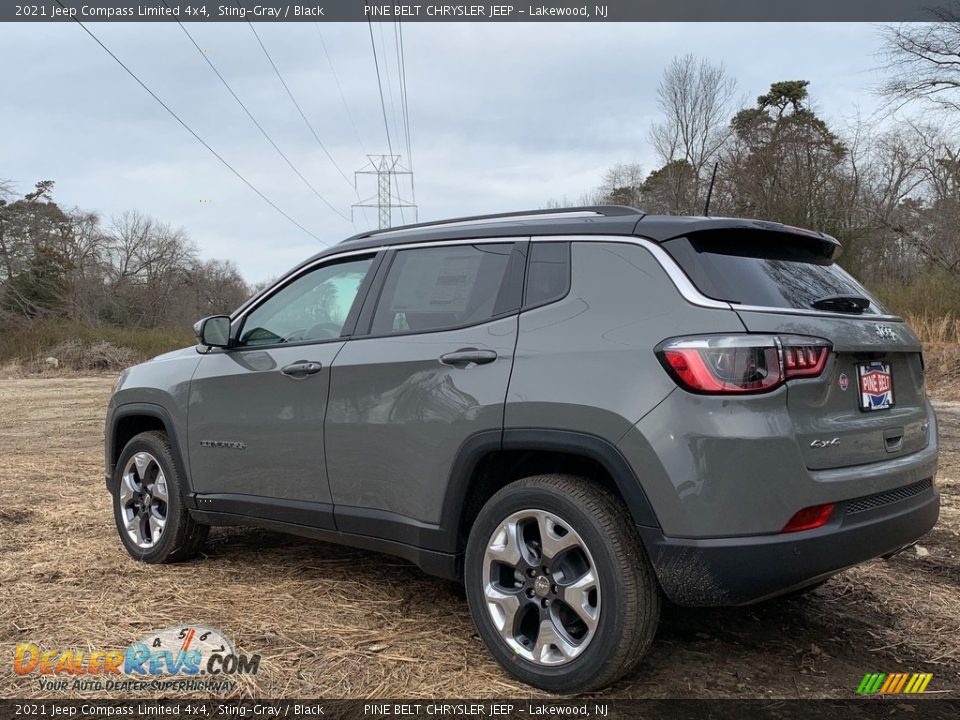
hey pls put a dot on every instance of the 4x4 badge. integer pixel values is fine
(825, 443)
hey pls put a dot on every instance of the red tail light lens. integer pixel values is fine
(809, 518)
(726, 370)
(744, 363)
(804, 360)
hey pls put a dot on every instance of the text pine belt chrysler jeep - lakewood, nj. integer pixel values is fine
(574, 412)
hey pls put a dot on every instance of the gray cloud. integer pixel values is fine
(503, 116)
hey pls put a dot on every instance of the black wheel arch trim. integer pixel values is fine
(562, 441)
(142, 409)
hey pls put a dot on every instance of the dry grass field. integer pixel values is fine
(334, 622)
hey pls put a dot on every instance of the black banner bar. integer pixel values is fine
(502, 11)
(549, 709)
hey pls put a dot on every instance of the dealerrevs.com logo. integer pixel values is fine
(183, 657)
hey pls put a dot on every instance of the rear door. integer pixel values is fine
(869, 404)
(431, 373)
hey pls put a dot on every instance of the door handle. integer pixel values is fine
(465, 356)
(302, 368)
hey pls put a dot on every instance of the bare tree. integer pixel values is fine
(140, 272)
(924, 61)
(886, 174)
(696, 99)
(147, 264)
(909, 201)
(84, 243)
(622, 185)
(215, 286)
(938, 237)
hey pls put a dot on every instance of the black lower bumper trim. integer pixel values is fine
(742, 570)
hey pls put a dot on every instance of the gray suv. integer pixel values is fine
(575, 413)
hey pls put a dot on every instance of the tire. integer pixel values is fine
(620, 606)
(148, 507)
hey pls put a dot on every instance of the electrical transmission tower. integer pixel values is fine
(388, 170)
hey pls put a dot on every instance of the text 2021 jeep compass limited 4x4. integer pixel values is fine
(571, 411)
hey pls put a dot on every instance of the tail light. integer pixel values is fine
(804, 360)
(809, 518)
(741, 364)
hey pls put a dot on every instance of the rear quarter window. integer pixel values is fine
(548, 273)
(767, 272)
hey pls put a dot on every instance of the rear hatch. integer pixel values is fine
(868, 405)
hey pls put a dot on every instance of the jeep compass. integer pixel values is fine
(576, 413)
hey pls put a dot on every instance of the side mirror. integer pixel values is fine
(213, 331)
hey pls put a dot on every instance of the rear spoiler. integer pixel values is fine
(740, 233)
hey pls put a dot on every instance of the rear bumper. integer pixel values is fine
(742, 570)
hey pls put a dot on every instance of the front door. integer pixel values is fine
(256, 410)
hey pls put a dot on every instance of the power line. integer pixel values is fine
(396, 47)
(383, 104)
(336, 79)
(189, 129)
(297, 105)
(406, 108)
(400, 78)
(255, 122)
(393, 106)
(386, 74)
(343, 99)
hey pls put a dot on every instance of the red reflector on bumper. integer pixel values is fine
(809, 518)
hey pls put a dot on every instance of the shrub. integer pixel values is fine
(85, 347)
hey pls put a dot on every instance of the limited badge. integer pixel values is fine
(843, 381)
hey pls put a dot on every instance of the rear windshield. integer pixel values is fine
(769, 272)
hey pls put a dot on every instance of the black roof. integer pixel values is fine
(586, 220)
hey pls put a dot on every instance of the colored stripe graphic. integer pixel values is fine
(924, 680)
(894, 683)
(890, 682)
(870, 683)
(901, 682)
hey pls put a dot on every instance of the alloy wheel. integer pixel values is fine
(143, 500)
(541, 587)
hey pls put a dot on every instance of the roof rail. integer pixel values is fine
(547, 214)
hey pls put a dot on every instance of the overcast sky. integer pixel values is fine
(502, 116)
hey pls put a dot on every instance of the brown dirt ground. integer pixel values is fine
(335, 622)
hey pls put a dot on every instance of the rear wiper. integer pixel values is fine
(854, 304)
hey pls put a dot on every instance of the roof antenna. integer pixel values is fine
(713, 178)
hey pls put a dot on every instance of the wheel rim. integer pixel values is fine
(143, 500)
(541, 587)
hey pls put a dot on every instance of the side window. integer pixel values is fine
(548, 273)
(441, 287)
(313, 307)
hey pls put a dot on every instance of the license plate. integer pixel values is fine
(876, 386)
